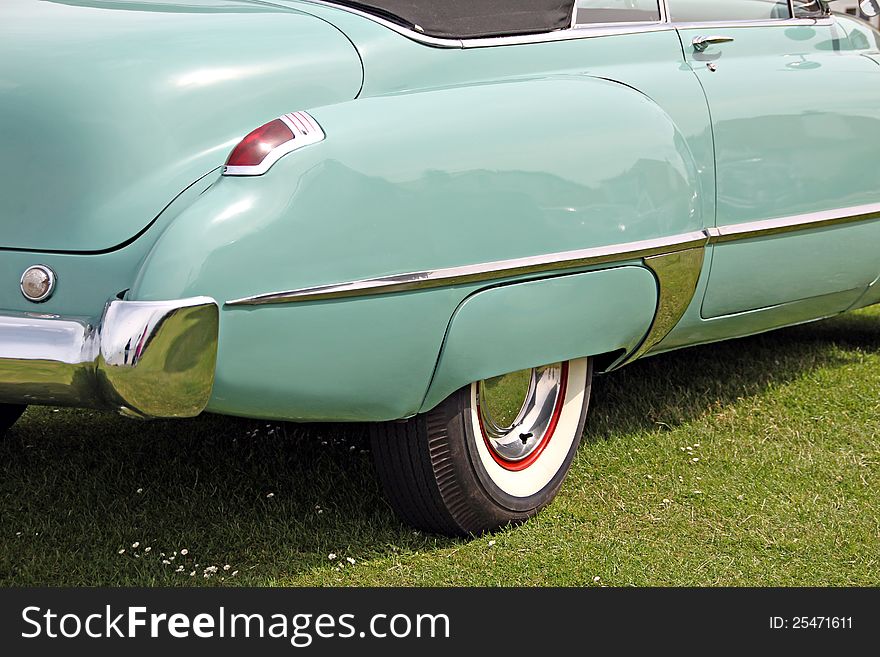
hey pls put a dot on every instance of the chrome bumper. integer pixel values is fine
(145, 358)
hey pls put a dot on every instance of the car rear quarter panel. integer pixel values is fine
(408, 182)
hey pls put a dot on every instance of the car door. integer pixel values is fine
(796, 123)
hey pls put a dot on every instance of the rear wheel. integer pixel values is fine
(493, 453)
(9, 414)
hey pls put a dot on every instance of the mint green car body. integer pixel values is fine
(117, 118)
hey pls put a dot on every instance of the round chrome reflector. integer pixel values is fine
(37, 283)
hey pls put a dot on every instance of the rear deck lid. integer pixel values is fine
(110, 108)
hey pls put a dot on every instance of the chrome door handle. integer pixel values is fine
(701, 43)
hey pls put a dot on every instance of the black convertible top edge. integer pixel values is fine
(470, 19)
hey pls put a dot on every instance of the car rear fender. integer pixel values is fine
(416, 183)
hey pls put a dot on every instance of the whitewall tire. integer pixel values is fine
(493, 453)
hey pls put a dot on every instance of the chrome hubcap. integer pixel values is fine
(518, 410)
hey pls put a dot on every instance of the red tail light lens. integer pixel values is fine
(261, 149)
(254, 148)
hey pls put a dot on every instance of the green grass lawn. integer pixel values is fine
(753, 462)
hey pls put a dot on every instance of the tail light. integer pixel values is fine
(256, 153)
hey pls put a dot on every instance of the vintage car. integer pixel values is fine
(441, 218)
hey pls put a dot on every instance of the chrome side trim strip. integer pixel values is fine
(581, 32)
(782, 22)
(488, 271)
(565, 260)
(781, 225)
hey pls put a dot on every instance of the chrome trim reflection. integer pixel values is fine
(810, 221)
(488, 271)
(702, 43)
(145, 358)
(583, 31)
(770, 22)
(678, 275)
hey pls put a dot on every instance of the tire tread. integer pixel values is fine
(406, 464)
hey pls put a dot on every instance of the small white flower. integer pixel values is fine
(226, 567)
(695, 459)
(192, 574)
(166, 562)
(491, 543)
(140, 490)
(350, 560)
(136, 544)
(183, 552)
(179, 569)
(270, 495)
(234, 573)
(122, 551)
(148, 549)
(18, 533)
(597, 579)
(666, 500)
(331, 556)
